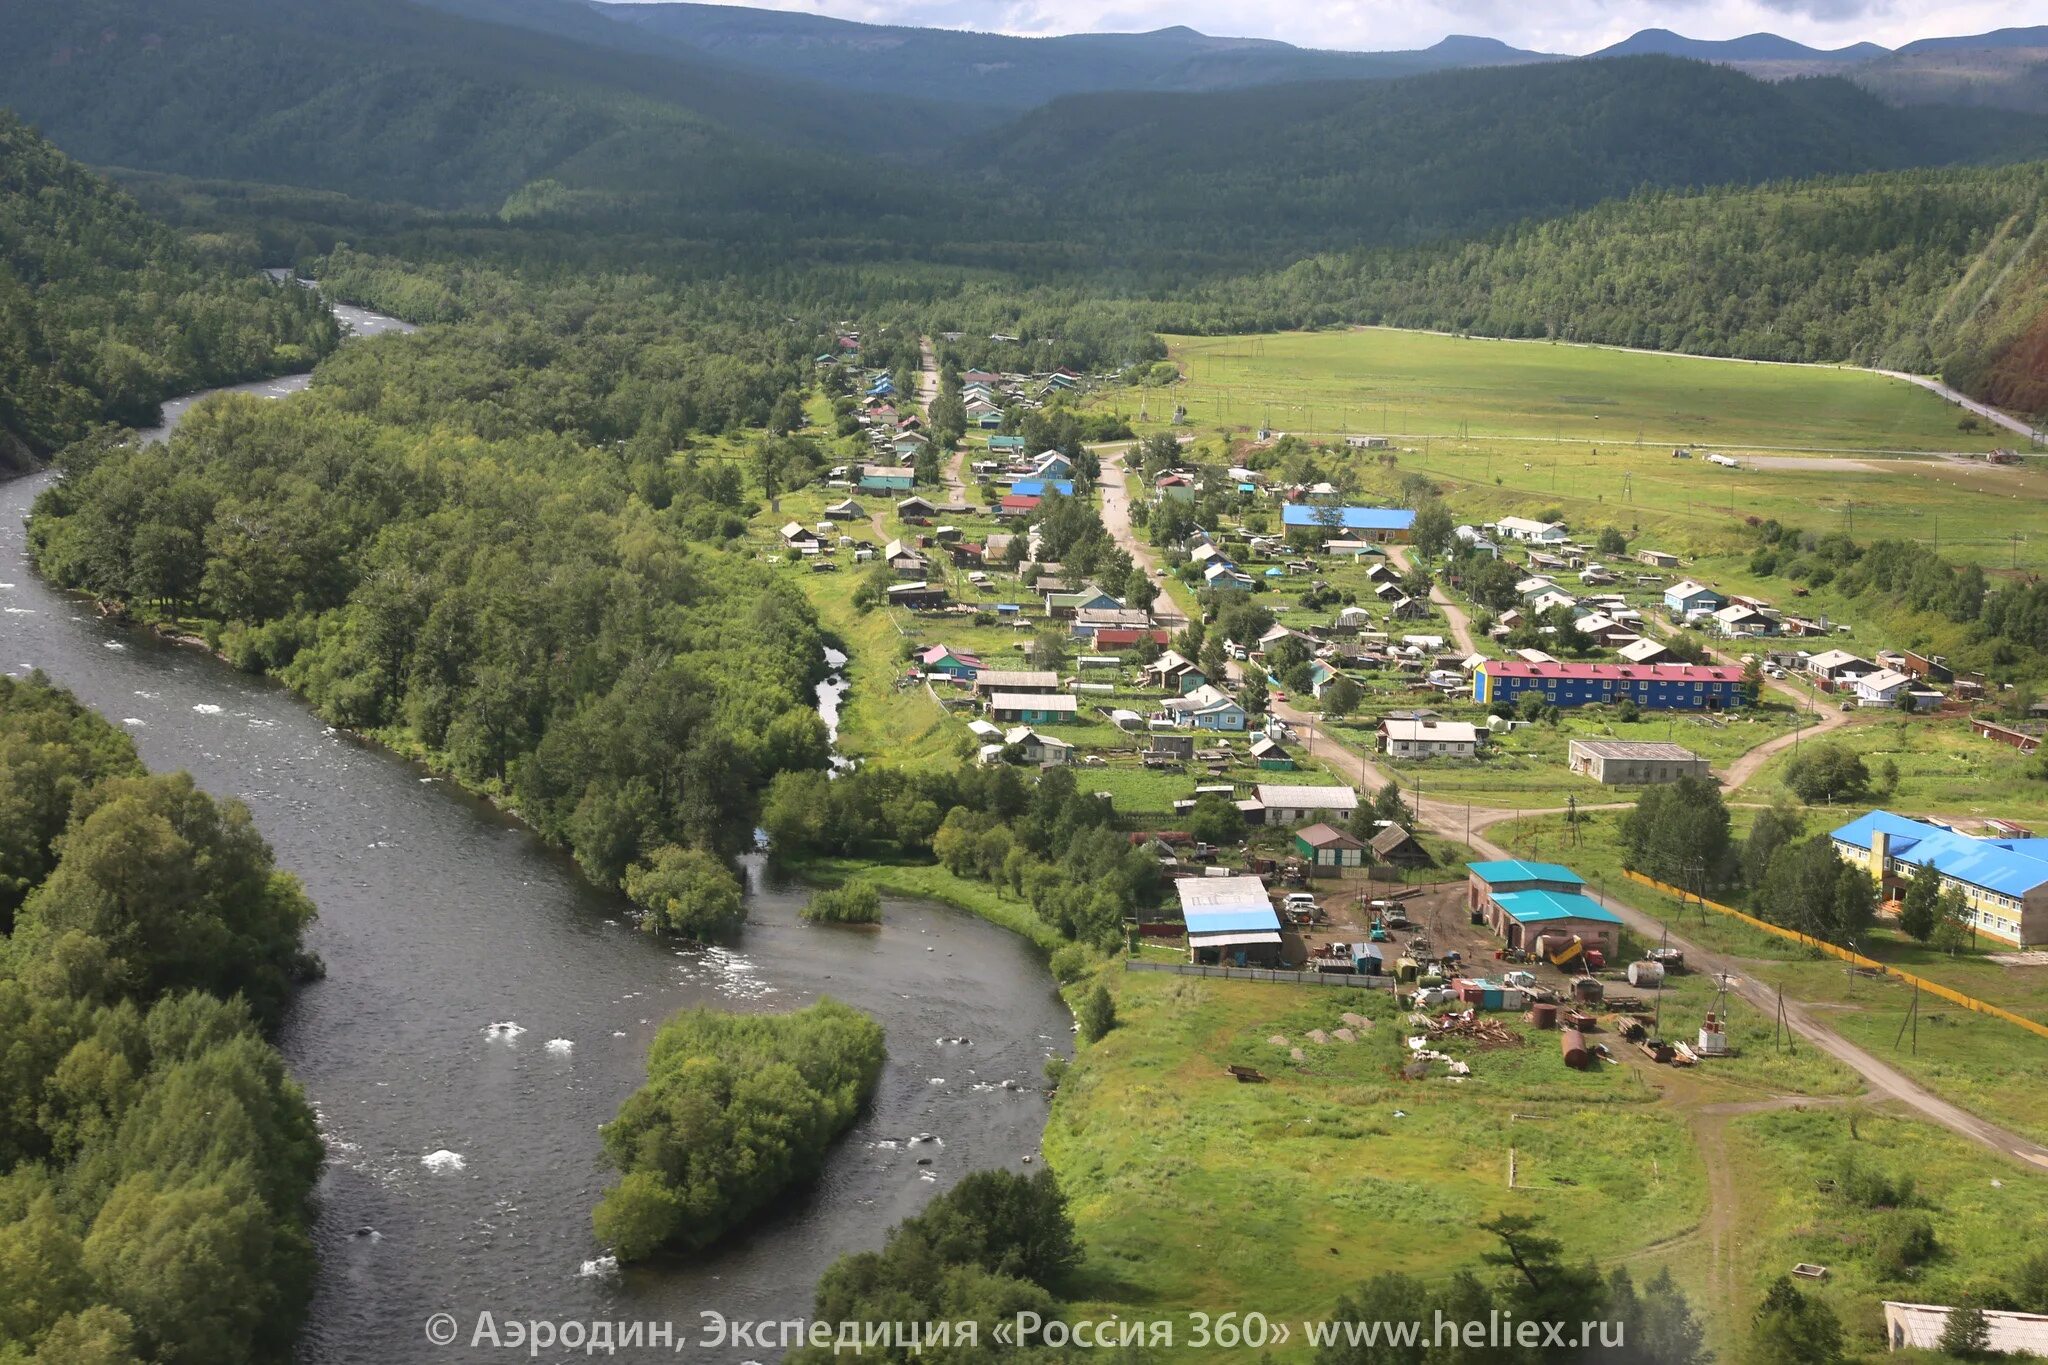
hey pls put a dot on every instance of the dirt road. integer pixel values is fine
(1461, 624)
(953, 473)
(1116, 519)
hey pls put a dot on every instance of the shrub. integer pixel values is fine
(1069, 963)
(1867, 1187)
(1904, 1239)
(1097, 1014)
(857, 902)
(1820, 772)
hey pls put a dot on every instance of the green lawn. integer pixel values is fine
(1528, 767)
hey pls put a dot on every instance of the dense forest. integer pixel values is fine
(736, 1109)
(477, 543)
(104, 312)
(156, 1161)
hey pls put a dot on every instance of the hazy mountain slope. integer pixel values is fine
(1996, 77)
(1311, 166)
(1754, 47)
(997, 69)
(2036, 36)
(391, 99)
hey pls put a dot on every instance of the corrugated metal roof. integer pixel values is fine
(1535, 907)
(1518, 870)
(1351, 518)
(2010, 867)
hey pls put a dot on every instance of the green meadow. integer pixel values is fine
(1384, 381)
(1519, 428)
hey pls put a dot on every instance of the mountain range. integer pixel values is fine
(721, 130)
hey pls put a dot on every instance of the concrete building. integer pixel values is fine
(1632, 763)
(2004, 881)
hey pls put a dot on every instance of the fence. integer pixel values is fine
(1934, 988)
(1263, 974)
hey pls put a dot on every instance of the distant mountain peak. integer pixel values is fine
(1751, 47)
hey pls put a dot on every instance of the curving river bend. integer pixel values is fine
(440, 918)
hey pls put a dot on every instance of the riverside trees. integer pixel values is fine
(156, 1161)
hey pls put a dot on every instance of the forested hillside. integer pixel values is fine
(1922, 270)
(103, 311)
(1306, 167)
(389, 99)
(156, 1161)
(474, 543)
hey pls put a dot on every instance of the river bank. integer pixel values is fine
(933, 882)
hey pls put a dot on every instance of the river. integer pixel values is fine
(463, 1159)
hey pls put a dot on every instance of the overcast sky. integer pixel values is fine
(1572, 26)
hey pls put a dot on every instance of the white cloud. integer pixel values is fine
(1367, 25)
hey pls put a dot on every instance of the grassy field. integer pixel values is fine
(1383, 381)
(1194, 1191)
(1337, 1168)
(1512, 427)
(1528, 767)
(1943, 769)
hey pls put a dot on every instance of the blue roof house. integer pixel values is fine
(1038, 488)
(1360, 523)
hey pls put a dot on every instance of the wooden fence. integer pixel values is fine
(1934, 988)
(1263, 974)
